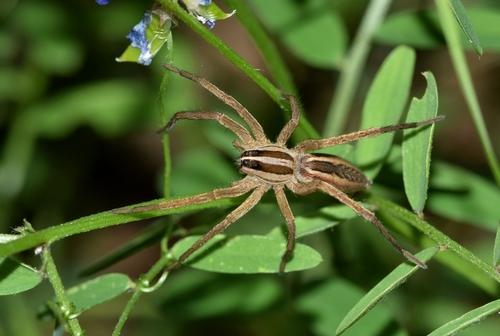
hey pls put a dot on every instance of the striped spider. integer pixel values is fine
(271, 165)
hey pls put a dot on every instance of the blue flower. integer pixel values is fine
(138, 39)
(102, 2)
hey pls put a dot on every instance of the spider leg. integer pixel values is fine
(310, 145)
(239, 188)
(290, 222)
(221, 118)
(232, 217)
(290, 126)
(370, 217)
(256, 128)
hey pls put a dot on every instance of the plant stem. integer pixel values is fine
(435, 235)
(304, 129)
(265, 45)
(454, 43)
(272, 58)
(352, 68)
(97, 221)
(63, 303)
(153, 272)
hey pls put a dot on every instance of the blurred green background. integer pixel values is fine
(78, 137)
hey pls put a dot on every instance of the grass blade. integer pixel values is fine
(416, 148)
(464, 23)
(496, 250)
(466, 320)
(457, 55)
(383, 106)
(384, 287)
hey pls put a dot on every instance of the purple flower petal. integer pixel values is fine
(102, 2)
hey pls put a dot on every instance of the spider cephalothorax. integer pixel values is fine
(271, 165)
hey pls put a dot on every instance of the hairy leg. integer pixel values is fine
(221, 118)
(290, 222)
(310, 145)
(236, 214)
(290, 126)
(256, 128)
(370, 217)
(239, 188)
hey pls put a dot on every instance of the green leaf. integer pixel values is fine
(416, 147)
(327, 303)
(246, 254)
(310, 29)
(325, 218)
(464, 23)
(496, 249)
(466, 320)
(421, 29)
(99, 290)
(393, 280)
(16, 277)
(464, 196)
(383, 106)
(318, 40)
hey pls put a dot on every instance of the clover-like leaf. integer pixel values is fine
(246, 254)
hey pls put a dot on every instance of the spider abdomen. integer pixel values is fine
(336, 171)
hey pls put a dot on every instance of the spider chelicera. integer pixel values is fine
(271, 165)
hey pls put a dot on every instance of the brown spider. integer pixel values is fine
(271, 165)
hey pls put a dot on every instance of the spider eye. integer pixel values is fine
(250, 164)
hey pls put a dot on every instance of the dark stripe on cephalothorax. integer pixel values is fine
(266, 167)
(267, 153)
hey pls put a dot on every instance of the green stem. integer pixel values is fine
(435, 235)
(157, 268)
(454, 42)
(304, 129)
(352, 68)
(98, 221)
(64, 304)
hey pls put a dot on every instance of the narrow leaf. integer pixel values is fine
(98, 290)
(496, 250)
(383, 106)
(416, 148)
(16, 277)
(466, 320)
(246, 254)
(464, 23)
(383, 288)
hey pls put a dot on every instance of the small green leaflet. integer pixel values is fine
(416, 147)
(16, 277)
(246, 254)
(98, 290)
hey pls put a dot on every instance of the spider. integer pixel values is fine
(272, 165)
